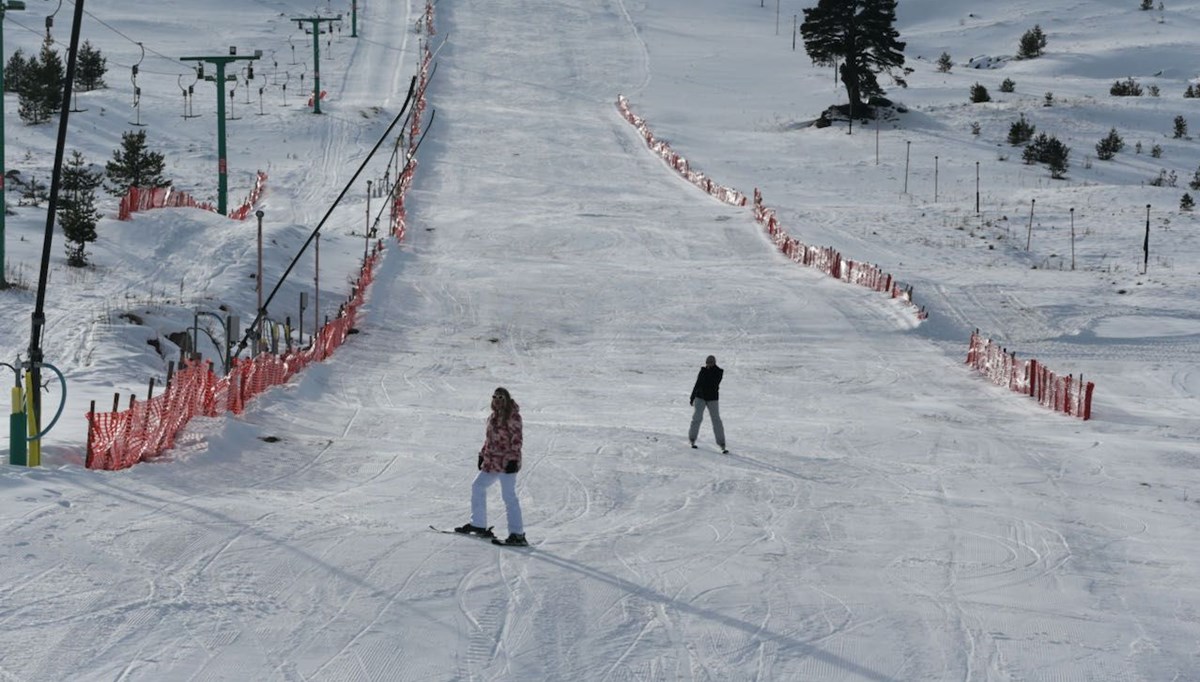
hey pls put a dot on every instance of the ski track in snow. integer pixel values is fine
(883, 514)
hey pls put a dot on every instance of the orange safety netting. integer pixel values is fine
(825, 259)
(117, 440)
(146, 198)
(830, 261)
(676, 161)
(404, 182)
(120, 439)
(243, 211)
(1062, 394)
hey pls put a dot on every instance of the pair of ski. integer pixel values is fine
(495, 540)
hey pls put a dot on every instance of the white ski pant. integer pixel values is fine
(508, 490)
(713, 414)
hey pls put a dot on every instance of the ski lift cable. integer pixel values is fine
(260, 313)
(117, 31)
(111, 28)
(9, 20)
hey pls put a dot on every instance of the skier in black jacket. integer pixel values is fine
(705, 394)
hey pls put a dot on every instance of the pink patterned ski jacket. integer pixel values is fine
(501, 444)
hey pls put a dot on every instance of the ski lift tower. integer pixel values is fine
(4, 5)
(222, 164)
(316, 34)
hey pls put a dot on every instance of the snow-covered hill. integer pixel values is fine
(884, 514)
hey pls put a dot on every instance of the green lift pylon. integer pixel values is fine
(222, 163)
(316, 33)
(10, 4)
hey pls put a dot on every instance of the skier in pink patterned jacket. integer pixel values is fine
(499, 460)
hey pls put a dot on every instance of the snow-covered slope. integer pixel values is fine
(884, 514)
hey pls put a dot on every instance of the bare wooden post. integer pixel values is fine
(91, 428)
(1029, 235)
(1146, 244)
(1072, 237)
(907, 154)
(976, 188)
(259, 285)
(303, 307)
(317, 281)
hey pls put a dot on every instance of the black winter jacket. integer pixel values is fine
(708, 381)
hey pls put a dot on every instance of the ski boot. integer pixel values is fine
(468, 529)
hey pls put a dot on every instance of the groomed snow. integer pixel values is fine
(884, 514)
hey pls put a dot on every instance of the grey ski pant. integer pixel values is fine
(714, 415)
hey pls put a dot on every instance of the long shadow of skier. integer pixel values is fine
(755, 630)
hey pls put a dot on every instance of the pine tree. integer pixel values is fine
(979, 94)
(91, 67)
(1108, 147)
(41, 89)
(35, 192)
(1126, 88)
(1056, 156)
(134, 166)
(858, 35)
(1051, 151)
(16, 71)
(1021, 131)
(1032, 44)
(77, 214)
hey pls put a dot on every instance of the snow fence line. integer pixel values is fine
(118, 440)
(146, 198)
(1062, 394)
(1067, 394)
(145, 430)
(825, 259)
